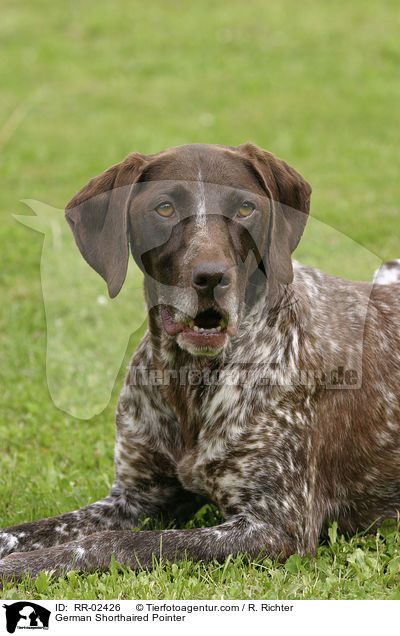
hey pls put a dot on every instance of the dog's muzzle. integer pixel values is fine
(206, 332)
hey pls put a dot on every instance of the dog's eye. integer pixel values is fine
(165, 209)
(246, 209)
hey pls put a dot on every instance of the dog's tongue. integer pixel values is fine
(171, 326)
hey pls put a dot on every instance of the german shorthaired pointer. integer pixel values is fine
(264, 385)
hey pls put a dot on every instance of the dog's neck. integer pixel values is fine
(189, 382)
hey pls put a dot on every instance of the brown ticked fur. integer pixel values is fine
(293, 422)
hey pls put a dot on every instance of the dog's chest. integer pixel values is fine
(217, 422)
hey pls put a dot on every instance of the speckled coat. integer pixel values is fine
(295, 423)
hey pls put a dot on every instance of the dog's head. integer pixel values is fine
(208, 225)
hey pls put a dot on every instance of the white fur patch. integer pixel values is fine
(201, 205)
(388, 273)
(8, 540)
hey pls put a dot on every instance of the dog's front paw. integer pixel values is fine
(15, 565)
(53, 560)
(83, 556)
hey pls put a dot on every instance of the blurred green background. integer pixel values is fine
(85, 83)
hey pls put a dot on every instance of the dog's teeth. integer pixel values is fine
(191, 323)
(205, 329)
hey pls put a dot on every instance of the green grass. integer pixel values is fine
(85, 83)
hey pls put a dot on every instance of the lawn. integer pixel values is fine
(84, 84)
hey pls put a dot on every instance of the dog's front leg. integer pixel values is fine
(145, 483)
(122, 508)
(240, 534)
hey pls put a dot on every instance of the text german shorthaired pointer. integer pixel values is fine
(266, 386)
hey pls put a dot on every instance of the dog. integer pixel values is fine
(262, 385)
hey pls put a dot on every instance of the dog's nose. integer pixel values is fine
(207, 276)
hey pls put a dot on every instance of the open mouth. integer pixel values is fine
(207, 330)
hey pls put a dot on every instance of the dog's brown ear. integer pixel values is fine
(98, 216)
(290, 206)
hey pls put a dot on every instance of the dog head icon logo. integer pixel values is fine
(26, 615)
